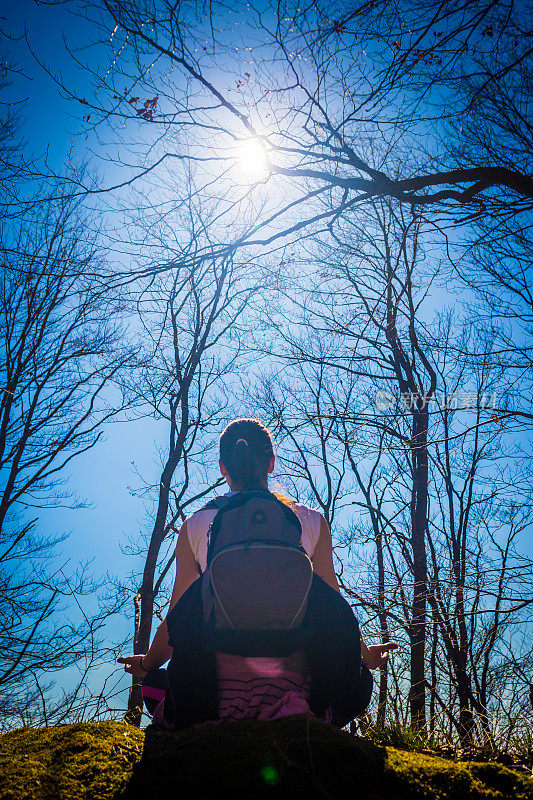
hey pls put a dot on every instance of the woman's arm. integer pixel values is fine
(323, 556)
(160, 651)
(375, 655)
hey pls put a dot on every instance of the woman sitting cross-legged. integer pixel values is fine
(257, 626)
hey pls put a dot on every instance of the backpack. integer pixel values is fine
(261, 557)
(256, 583)
(332, 649)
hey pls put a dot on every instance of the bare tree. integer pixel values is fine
(60, 357)
(363, 326)
(190, 317)
(369, 301)
(331, 99)
(476, 525)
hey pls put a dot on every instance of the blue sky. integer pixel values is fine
(104, 475)
(105, 478)
(49, 121)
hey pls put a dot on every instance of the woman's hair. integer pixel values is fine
(246, 449)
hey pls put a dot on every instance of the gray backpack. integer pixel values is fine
(257, 578)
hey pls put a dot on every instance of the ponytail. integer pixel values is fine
(244, 464)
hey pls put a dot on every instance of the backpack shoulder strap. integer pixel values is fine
(216, 503)
(240, 499)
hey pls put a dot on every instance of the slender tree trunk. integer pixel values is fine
(464, 689)
(408, 381)
(133, 714)
(146, 592)
(466, 717)
(433, 673)
(383, 676)
(417, 627)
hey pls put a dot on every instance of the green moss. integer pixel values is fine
(291, 758)
(92, 761)
(422, 776)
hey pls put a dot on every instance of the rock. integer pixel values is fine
(289, 758)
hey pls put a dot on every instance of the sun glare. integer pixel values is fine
(252, 160)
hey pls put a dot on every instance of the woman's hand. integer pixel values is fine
(376, 655)
(132, 664)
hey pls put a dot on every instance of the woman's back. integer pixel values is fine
(254, 687)
(198, 526)
(258, 687)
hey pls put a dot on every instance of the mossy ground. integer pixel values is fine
(291, 758)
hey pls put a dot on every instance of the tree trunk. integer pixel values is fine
(133, 714)
(466, 716)
(146, 596)
(417, 627)
(464, 689)
(383, 676)
(433, 672)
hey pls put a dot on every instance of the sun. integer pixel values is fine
(252, 160)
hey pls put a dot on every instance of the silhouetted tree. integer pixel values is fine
(60, 355)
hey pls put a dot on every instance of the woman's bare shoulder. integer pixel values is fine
(306, 512)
